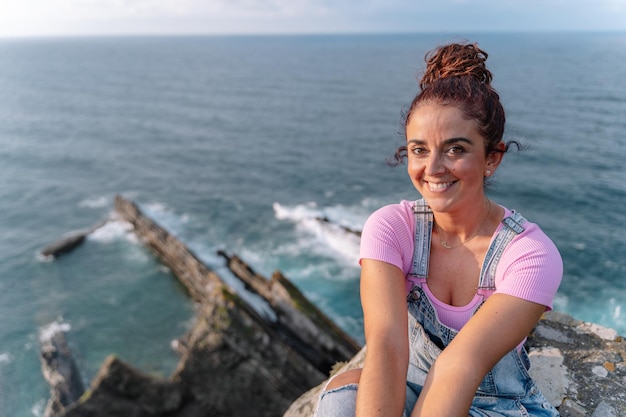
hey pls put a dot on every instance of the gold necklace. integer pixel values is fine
(446, 245)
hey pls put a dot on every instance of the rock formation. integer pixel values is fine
(237, 361)
(68, 242)
(60, 371)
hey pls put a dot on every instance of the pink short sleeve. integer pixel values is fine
(388, 235)
(531, 267)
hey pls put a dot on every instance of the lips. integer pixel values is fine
(440, 186)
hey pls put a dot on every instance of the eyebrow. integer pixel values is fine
(446, 142)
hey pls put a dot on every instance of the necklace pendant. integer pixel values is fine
(445, 245)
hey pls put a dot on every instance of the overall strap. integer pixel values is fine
(512, 227)
(423, 234)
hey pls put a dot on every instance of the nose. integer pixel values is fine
(435, 164)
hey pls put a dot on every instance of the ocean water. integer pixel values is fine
(239, 143)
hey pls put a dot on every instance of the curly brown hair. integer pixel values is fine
(456, 74)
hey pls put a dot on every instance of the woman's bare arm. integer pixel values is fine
(496, 328)
(383, 297)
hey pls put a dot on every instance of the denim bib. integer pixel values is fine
(509, 378)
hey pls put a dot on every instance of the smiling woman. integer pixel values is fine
(468, 277)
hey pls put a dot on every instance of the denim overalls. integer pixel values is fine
(507, 390)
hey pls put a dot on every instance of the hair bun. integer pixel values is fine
(456, 60)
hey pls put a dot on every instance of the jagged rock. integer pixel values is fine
(120, 390)
(347, 229)
(68, 242)
(60, 371)
(235, 367)
(320, 340)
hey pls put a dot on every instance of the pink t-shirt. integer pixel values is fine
(530, 268)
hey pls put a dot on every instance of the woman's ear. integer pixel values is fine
(494, 158)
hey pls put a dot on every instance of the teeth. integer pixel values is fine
(439, 186)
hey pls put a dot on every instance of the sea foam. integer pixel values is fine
(112, 230)
(328, 226)
(48, 331)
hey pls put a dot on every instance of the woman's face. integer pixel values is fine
(446, 157)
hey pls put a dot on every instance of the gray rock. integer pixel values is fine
(604, 410)
(548, 371)
(60, 371)
(68, 242)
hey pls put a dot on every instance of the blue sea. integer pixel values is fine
(239, 143)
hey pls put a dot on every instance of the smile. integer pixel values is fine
(439, 186)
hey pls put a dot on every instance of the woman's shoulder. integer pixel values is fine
(532, 235)
(396, 216)
(531, 266)
(533, 250)
(401, 211)
(388, 235)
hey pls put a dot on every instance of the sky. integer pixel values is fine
(27, 18)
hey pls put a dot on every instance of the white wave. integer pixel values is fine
(113, 230)
(43, 258)
(166, 217)
(297, 213)
(560, 302)
(47, 332)
(97, 202)
(335, 240)
(5, 357)
(616, 309)
(38, 408)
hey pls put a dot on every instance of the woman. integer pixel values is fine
(468, 278)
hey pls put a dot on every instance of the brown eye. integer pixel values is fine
(456, 150)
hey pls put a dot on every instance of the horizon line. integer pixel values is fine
(311, 33)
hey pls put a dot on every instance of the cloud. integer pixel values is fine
(125, 9)
(40, 17)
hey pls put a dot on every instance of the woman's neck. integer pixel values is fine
(456, 229)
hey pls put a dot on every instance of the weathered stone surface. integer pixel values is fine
(594, 362)
(60, 371)
(347, 229)
(315, 336)
(550, 374)
(68, 242)
(204, 285)
(566, 356)
(121, 390)
(243, 373)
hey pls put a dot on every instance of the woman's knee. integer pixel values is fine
(339, 397)
(345, 378)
